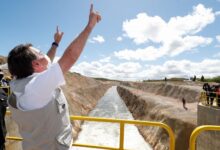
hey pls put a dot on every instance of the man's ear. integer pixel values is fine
(36, 65)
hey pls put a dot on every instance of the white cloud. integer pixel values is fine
(119, 39)
(171, 49)
(91, 41)
(144, 28)
(194, 22)
(218, 38)
(97, 39)
(149, 53)
(105, 60)
(135, 71)
(123, 71)
(217, 13)
(187, 43)
(174, 37)
(217, 55)
(184, 68)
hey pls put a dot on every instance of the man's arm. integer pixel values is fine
(75, 48)
(57, 38)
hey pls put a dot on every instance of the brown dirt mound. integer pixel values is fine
(152, 107)
(190, 91)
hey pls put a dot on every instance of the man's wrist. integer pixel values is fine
(55, 44)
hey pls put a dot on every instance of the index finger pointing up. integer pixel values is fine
(91, 8)
(57, 29)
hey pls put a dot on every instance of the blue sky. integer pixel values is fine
(136, 39)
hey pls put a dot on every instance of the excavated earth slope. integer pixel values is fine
(163, 102)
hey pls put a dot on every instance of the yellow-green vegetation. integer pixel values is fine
(166, 79)
(214, 79)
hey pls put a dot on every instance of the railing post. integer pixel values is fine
(171, 135)
(122, 126)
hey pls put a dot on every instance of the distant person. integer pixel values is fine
(37, 103)
(165, 79)
(184, 104)
(210, 93)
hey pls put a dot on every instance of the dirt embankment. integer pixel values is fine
(190, 91)
(82, 94)
(148, 104)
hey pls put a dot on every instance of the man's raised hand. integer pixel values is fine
(94, 17)
(58, 36)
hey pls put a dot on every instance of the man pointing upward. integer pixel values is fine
(37, 103)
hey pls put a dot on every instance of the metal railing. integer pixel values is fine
(197, 131)
(122, 124)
